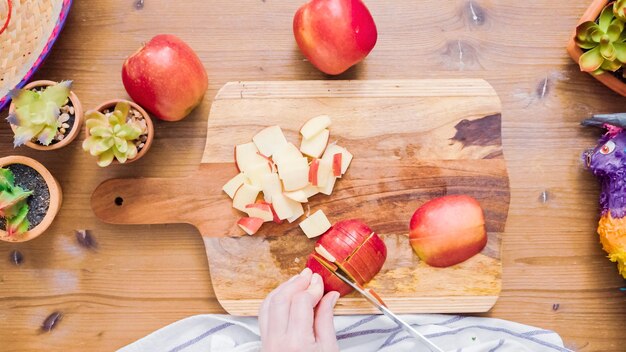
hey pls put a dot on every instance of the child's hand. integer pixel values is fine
(289, 321)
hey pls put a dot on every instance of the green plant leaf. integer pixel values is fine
(18, 224)
(607, 49)
(24, 134)
(615, 30)
(10, 201)
(120, 156)
(46, 136)
(129, 132)
(619, 8)
(610, 65)
(121, 109)
(7, 179)
(100, 131)
(591, 60)
(606, 16)
(620, 51)
(105, 158)
(101, 146)
(57, 93)
(21, 97)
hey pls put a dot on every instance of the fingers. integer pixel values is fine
(280, 301)
(324, 325)
(301, 312)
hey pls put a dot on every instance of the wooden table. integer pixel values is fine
(141, 278)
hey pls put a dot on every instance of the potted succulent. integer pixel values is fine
(118, 131)
(599, 43)
(30, 198)
(45, 115)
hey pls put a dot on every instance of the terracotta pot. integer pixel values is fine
(592, 13)
(78, 120)
(111, 105)
(56, 198)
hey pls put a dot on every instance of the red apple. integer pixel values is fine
(354, 248)
(334, 34)
(166, 77)
(448, 230)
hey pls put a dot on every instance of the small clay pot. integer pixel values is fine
(111, 106)
(56, 198)
(72, 134)
(591, 14)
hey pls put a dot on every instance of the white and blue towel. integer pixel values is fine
(362, 333)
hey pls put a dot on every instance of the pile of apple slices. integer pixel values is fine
(287, 176)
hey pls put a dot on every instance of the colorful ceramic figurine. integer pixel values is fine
(608, 162)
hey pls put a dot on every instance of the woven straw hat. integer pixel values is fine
(32, 28)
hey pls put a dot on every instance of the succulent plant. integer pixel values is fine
(603, 42)
(37, 113)
(113, 135)
(13, 206)
(619, 10)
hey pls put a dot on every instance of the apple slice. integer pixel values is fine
(310, 191)
(286, 153)
(298, 196)
(270, 184)
(295, 179)
(293, 164)
(282, 206)
(276, 219)
(269, 140)
(296, 210)
(246, 194)
(337, 164)
(255, 173)
(315, 224)
(313, 171)
(250, 225)
(346, 156)
(324, 172)
(247, 155)
(260, 210)
(234, 183)
(328, 189)
(314, 126)
(315, 146)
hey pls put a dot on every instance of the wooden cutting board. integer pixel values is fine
(412, 140)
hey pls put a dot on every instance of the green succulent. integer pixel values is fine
(37, 113)
(619, 10)
(13, 206)
(603, 42)
(112, 135)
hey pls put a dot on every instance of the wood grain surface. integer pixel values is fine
(555, 274)
(410, 146)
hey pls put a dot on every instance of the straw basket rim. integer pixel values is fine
(34, 50)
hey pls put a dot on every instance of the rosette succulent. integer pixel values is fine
(37, 114)
(112, 135)
(13, 206)
(619, 10)
(603, 41)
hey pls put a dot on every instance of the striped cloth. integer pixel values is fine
(203, 333)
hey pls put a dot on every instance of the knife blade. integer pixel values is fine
(378, 303)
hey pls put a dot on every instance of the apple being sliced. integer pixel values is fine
(269, 140)
(295, 179)
(286, 153)
(315, 224)
(298, 196)
(255, 173)
(250, 225)
(270, 184)
(346, 156)
(246, 194)
(247, 155)
(260, 210)
(234, 183)
(315, 146)
(314, 126)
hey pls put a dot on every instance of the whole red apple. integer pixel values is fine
(334, 35)
(166, 77)
(448, 230)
